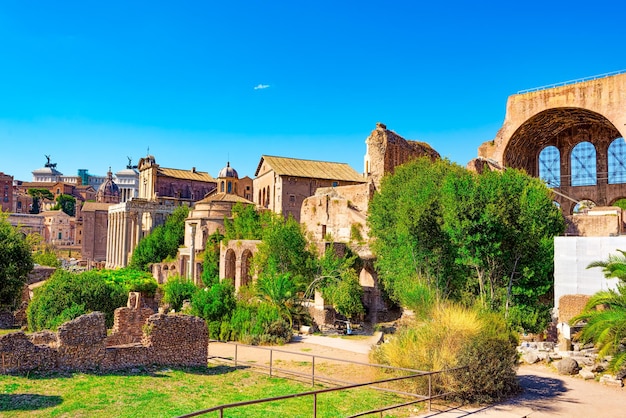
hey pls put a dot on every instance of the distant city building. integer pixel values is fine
(281, 184)
(58, 227)
(6, 193)
(161, 183)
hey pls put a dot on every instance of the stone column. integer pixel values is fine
(191, 274)
(125, 246)
(109, 245)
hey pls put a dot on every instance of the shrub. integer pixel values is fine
(176, 290)
(453, 336)
(46, 258)
(490, 376)
(132, 280)
(67, 295)
(215, 303)
(259, 324)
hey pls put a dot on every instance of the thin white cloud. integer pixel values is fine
(261, 86)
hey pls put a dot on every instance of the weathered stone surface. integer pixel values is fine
(567, 366)
(177, 340)
(530, 357)
(587, 374)
(610, 380)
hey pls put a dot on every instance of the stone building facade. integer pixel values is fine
(58, 227)
(156, 182)
(281, 184)
(128, 222)
(571, 136)
(27, 223)
(93, 235)
(386, 150)
(6, 193)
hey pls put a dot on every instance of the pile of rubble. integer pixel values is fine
(582, 361)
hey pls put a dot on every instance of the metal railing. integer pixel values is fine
(274, 371)
(565, 83)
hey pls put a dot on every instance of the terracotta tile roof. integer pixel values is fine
(94, 206)
(310, 169)
(185, 174)
(224, 197)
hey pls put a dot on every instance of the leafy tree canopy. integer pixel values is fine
(162, 242)
(467, 235)
(15, 263)
(38, 194)
(284, 249)
(66, 203)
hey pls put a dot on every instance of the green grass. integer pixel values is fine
(167, 393)
(8, 331)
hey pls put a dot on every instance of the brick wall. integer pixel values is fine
(81, 344)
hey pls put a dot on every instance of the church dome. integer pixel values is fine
(228, 171)
(108, 190)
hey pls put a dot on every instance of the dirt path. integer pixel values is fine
(546, 393)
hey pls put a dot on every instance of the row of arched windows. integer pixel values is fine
(264, 197)
(583, 164)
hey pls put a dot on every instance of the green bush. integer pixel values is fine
(491, 373)
(46, 258)
(132, 280)
(176, 290)
(259, 324)
(67, 295)
(215, 303)
(452, 336)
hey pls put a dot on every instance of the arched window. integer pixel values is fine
(583, 206)
(230, 187)
(550, 166)
(617, 161)
(246, 258)
(584, 165)
(222, 186)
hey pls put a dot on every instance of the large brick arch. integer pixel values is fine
(235, 261)
(590, 111)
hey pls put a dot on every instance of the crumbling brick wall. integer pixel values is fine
(570, 306)
(128, 321)
(176, 340)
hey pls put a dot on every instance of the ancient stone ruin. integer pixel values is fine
(139, 338)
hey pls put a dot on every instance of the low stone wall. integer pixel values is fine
(81, 344)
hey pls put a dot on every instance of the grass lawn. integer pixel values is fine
(168, 393)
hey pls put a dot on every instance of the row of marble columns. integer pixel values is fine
(123, 235)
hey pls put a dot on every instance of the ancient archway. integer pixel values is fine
(230, 261)
(246, 259)
(571, 149)
(543, 127)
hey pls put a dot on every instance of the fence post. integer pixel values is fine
(312, 372)
(236, 345)
(430, 388)
(315, 405)
(271, 355)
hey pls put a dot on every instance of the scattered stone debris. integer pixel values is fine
(582, 361)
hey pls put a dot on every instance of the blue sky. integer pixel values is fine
(92, 82)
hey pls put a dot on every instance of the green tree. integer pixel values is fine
(176, 290)
(339, 284)
(66, 203)
(413, 252)
(38, 194)
(15, 263)
(284, 249)
(502, 225)
(467, 235)
(211, 262)
(162, 242)
(245, 223)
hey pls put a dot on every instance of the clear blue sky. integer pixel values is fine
(91, 82)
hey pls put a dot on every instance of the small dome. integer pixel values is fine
(108, 189)
(228, 171)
